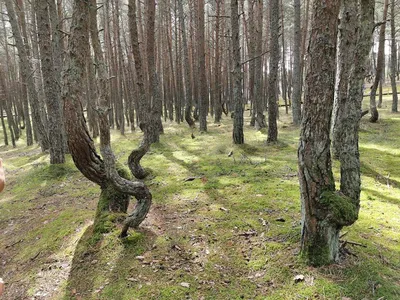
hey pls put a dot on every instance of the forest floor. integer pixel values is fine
(224, 224)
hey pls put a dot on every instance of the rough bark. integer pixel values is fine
(273, 72)
(296, 95)
(323, 211)
(347, 38)
(50, 84)
(238, 136)
(393, 57)
(350, 181)
(379, 66)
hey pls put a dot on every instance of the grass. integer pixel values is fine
(231, 233)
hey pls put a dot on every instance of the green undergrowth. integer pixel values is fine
(225, 220)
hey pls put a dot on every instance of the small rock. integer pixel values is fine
(280, 220)
(185, 284)
(139, 257)
(94, 262)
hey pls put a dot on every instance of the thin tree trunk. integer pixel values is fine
(379, 67)
(297, 76)
(273, 72)
(238, 136)
(393, 55)
(203, 102)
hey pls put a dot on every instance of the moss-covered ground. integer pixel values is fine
(232, 232)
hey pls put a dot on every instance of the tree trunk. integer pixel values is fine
(393, 55)
(296, 95)
(50, 84)
(379, 66)
(115, 187)
(347, 39)
(323, 211)
(144, 112)
(203, 101)
(238, 136)
(156, 103)
(273, 72)
(186, 65)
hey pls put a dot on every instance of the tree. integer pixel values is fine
(347, 39)
(238, 136)
(379, 66)
(324, 210)
(188, 82)
(273, 71)
(203, 103)
(322, 217)
(393, 56)
(50, 83)
(113, 183)
(146, 119)
(297, 78)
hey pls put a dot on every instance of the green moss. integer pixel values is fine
(342, 210)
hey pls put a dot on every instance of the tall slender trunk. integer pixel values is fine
(238, 136)
(393, 56)
(273, 72)
(203, 101)
(296, 96)
(379, 66)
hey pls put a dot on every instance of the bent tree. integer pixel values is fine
(114, 182)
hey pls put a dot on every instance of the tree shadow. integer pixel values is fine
(90, 269)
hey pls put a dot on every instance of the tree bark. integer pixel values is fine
(273, 72)
(50, 84)
(296, 96)
(347, 38)
(238, 136)
(323, 211)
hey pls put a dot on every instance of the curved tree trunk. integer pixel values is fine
(116, 188)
